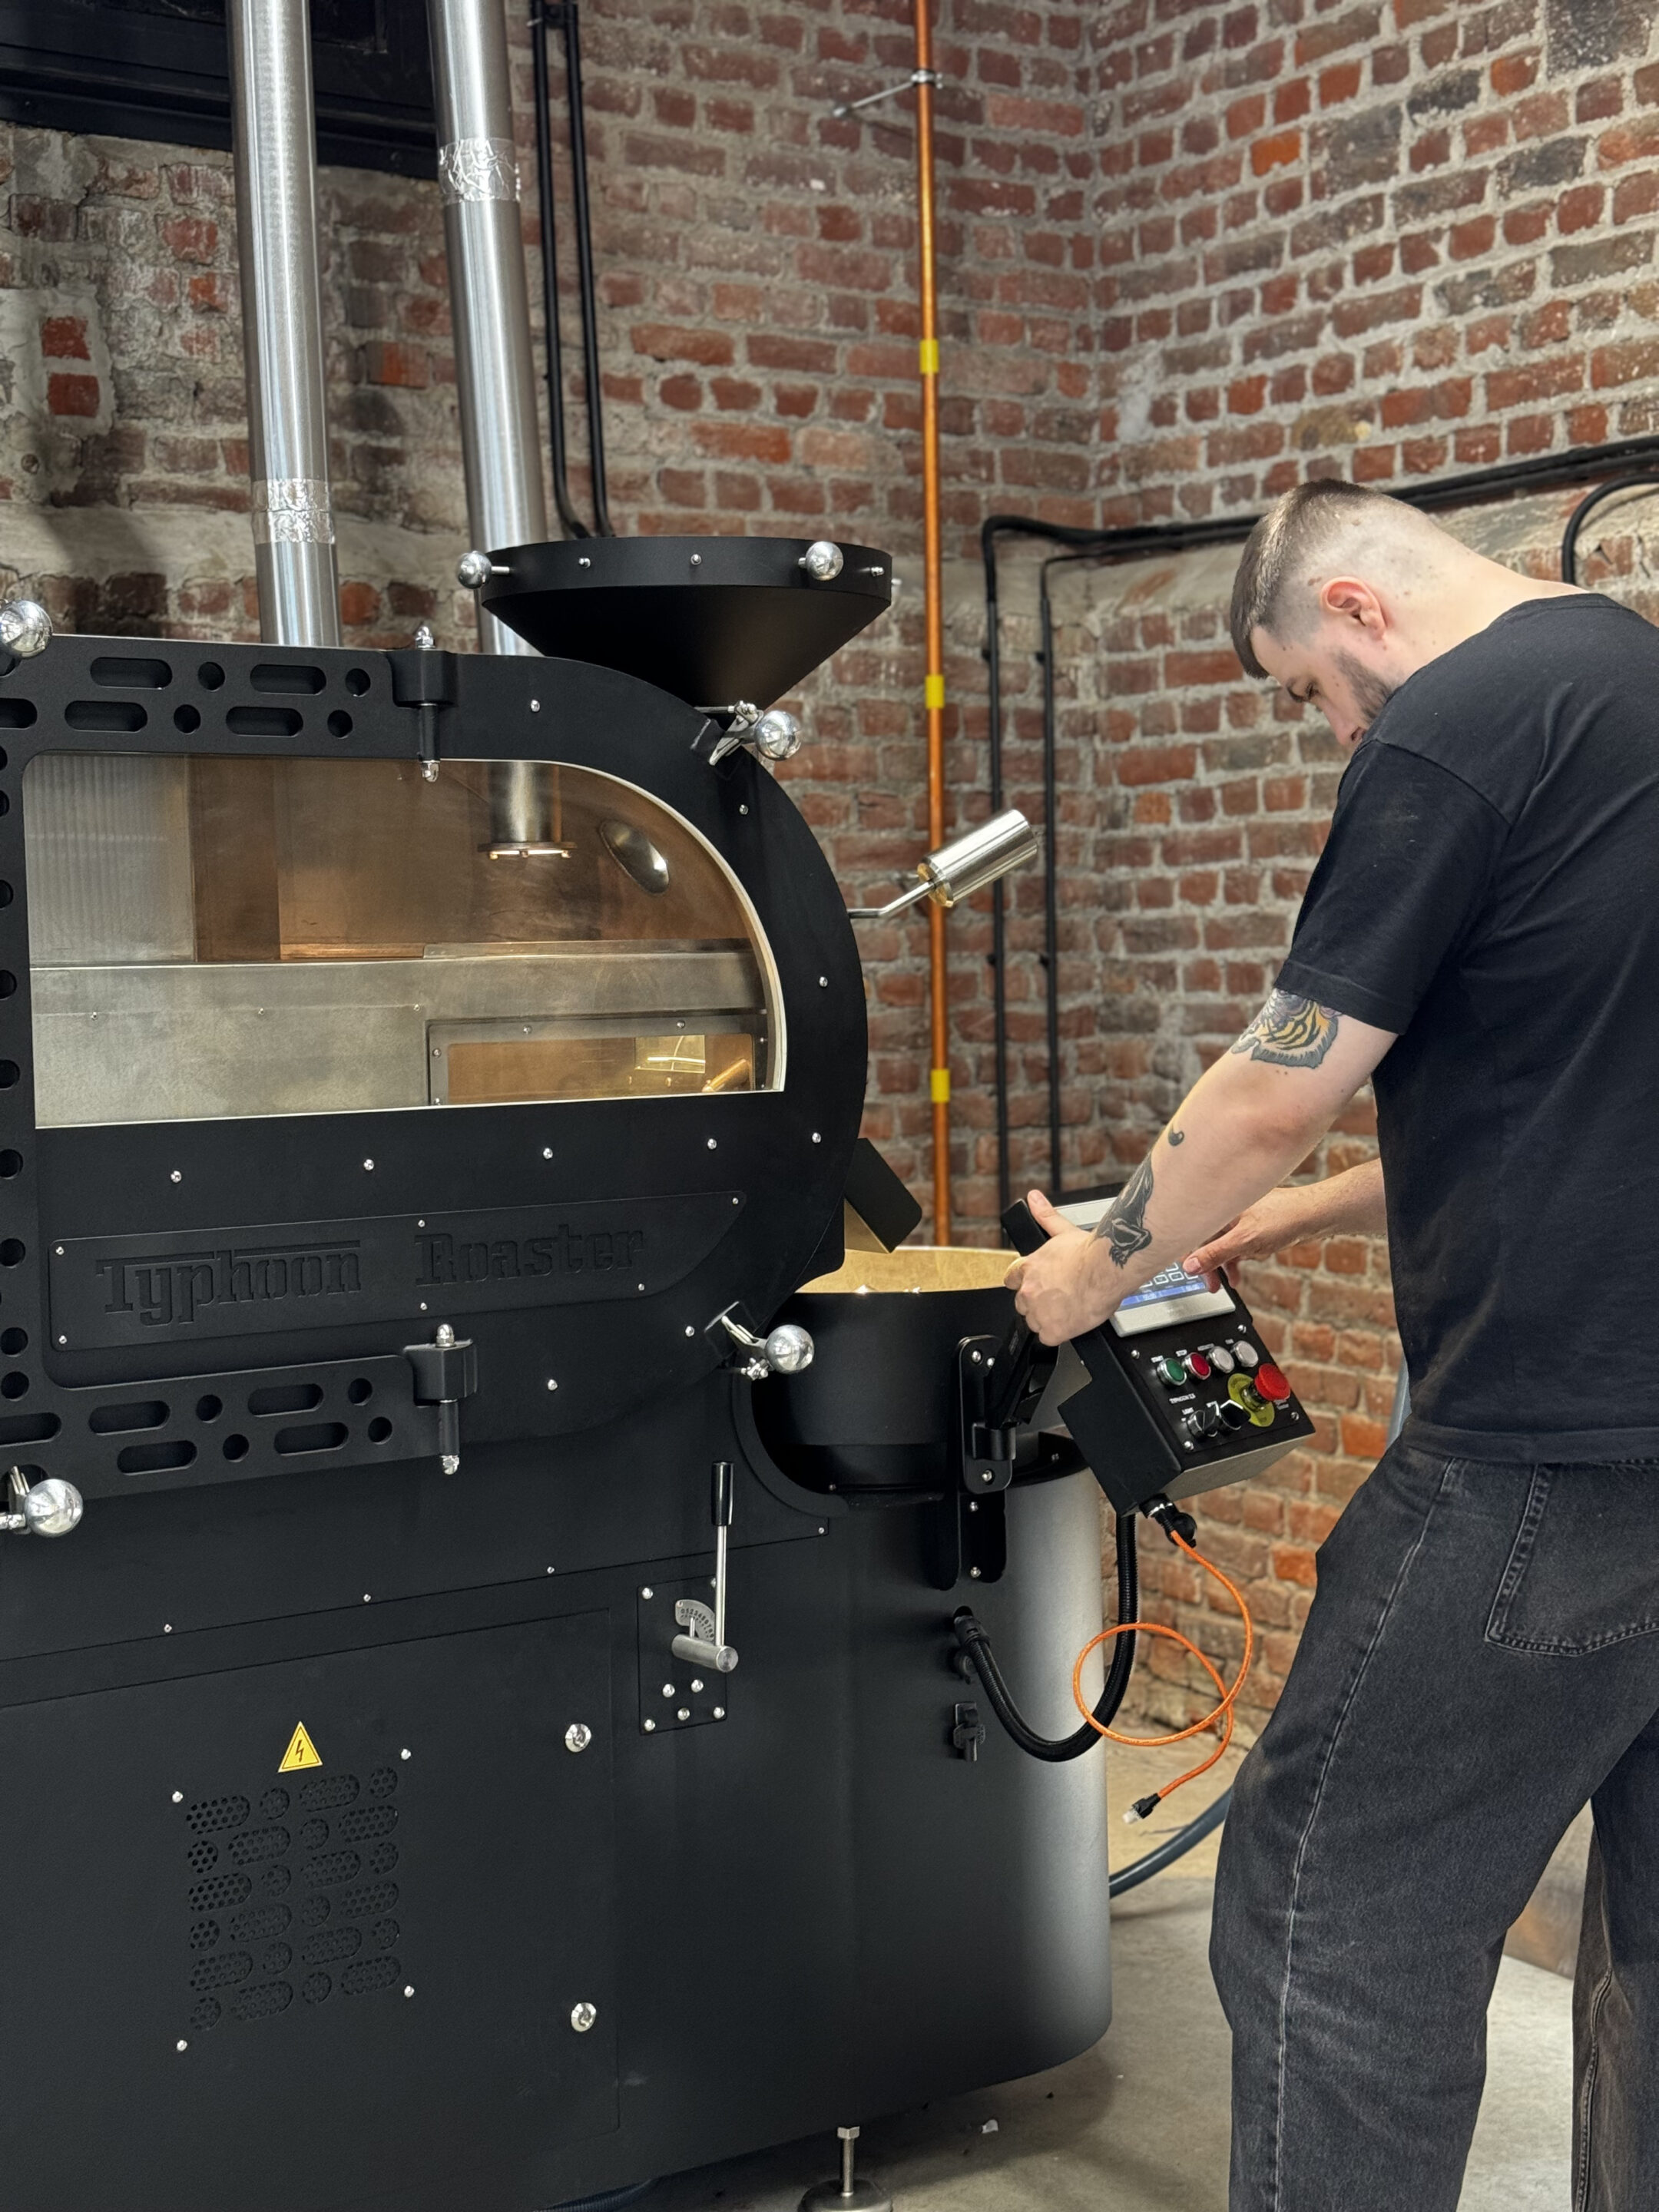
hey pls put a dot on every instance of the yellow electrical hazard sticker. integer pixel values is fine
(301, 1752)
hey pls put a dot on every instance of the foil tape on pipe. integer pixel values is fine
(293, 511)
(477, 169)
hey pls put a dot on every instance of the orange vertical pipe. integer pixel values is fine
(938, 971)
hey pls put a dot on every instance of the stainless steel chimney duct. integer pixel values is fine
(479, 178)
(276, 141)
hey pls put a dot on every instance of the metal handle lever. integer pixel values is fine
(711, 1651)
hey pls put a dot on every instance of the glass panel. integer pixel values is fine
(218, 937)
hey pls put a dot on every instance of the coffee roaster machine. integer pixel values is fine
(428, 1079)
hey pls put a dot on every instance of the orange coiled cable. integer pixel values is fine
(1223, 1713)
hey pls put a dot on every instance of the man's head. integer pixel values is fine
(1343, 592)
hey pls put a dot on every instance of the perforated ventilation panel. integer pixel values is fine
(290, 1900)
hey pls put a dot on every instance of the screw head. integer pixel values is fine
(684, 1713)
(535, 705)
(648, 1592)
(552, 1384)
(175, 1176)
(713, 1145)
(973, 1573)
(405, 1754)
(178, 1796)
(719, 1712)
(696, 560)
(650, 1728)
(578, 1736)
(181, 2044)
(696, 1685)
(408, 1989)
(582, 2017)
(472, 571)
(547, 1151)
(668, 1689)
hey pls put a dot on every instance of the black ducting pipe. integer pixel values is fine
(1538, 472)
(562, 15)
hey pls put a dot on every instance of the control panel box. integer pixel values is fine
(1178, 1395)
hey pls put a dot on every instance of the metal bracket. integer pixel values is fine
(423, 678)
(445, 1371)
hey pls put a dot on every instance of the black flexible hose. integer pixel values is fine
(976, 1648)
(1580, 514)
(1173, 1848)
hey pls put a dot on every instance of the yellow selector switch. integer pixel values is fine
(1243, 1392)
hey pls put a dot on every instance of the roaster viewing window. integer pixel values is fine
(214, 937)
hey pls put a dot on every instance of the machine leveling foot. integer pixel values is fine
(849, 2194)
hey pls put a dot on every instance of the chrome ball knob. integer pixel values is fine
(822, 561)
(474, 570)
(25, 628)
(53, 1507)
(788, 1349)
(776, 736)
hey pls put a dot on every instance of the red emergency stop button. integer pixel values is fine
(1271, 1383)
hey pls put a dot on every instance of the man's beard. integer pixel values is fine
(1371, 692)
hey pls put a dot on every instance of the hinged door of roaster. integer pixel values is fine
(320, 1055)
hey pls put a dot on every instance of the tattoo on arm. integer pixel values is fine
(1291, 1032)
(1178, 1136)
(1124, 1227)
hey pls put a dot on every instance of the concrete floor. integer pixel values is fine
(1140, 2123)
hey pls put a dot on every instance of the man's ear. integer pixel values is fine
(1350, 600)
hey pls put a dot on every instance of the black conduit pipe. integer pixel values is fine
(1580, 514)
(1538, 472)
(573, 525)
(544, 14)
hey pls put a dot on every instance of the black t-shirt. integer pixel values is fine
(1491, 891)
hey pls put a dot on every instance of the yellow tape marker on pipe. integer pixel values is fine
(939, 1086)
(934, 694)
(929, 350)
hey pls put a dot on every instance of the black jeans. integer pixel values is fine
(1482, 1656)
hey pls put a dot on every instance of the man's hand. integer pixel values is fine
(1056, 1288)
(1350, 1204)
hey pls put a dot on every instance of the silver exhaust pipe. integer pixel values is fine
(275, 134)
(479, 178)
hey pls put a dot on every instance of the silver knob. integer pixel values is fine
(777, 735)
(25, 628)
(474, 570)
(578, 1736)
(582, 2017)
(52, 1508)
(788, 1349)
(822, 561)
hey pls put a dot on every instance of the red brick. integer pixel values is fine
(70, 394)
(64, 337)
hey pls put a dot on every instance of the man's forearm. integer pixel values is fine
(1351, 1204)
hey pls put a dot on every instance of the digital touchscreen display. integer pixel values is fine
(1170, 1296)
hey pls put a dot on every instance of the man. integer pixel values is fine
(1482, 937)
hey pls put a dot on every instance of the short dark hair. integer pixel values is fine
(1274, 549)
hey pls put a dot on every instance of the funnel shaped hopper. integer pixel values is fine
(713, 620)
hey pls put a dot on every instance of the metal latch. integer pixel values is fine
(787, 1350)
(445, 1371)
